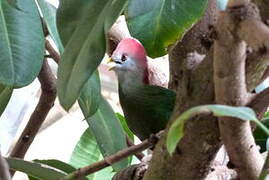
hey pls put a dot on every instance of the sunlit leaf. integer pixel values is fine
(160, 23)
(21, 43)
(87, 152)
(34, 169)
(175, 132)
(60, 165)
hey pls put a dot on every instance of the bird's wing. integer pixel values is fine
(148, 109)
(153, 101)
(158, 70)
(156, 96)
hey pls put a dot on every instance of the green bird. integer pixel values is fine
(147, 105)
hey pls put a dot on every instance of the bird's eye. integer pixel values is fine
(123, 58)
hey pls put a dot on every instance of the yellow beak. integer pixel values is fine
(110, 60)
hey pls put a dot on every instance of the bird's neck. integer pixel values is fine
(129, 81)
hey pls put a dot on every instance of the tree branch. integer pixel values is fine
(139, 155)
(53, 53)
(109, 160)
(230, 89)
(46, 101)
(194, 87)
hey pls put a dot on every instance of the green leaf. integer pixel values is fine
(5, 94)
(260, 136)
(82, 26)
(160, 23)
(87, 152)
(108, 133)
(90, 96)
(34, 169)
(21, 43)
(56, 164)
(125, 127)
(175, 132)
(49, 14)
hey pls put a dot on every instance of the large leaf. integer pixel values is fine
(34, 169)
(108, 132)
(90, 96)
(55, 164)
(21, 43)
(87, 152)
(160, 23)
(5, 94)
(175, 132)
(49, 15)
(82, 26)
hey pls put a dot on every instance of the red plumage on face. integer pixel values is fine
(134, 49)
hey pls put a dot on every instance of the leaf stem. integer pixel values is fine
(263, 127)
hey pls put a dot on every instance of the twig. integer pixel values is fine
(139, 155)
(109, 160)
(46, 101)
(53, 53)
(230, 89)
(4, 170)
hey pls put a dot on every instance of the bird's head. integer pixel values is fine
(130, 60)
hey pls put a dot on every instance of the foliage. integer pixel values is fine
(83, 36)
(19, 63)
(34, 169)
(176, 130)
(108, 133)
(87, 152)
(158, 24)
(80, 36)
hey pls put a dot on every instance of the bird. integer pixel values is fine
(146, 101)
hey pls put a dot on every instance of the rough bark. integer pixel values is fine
(230, 89)
(194, 86)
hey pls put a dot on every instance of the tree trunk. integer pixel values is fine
(192, 79)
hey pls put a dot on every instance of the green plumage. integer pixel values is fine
(147, 109)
